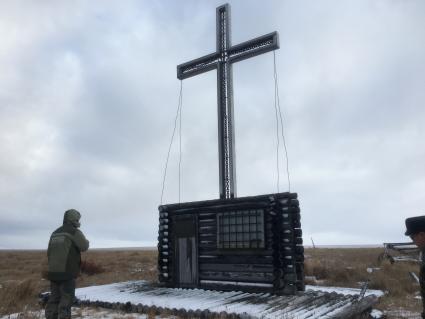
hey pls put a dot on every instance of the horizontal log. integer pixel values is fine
(222, 286)
(299, 249)
(299, 257)
(207, 222)
(289, 210)
(207, 215)
(243, 267)
(244, 277)
(298, 232)
(207, 242)
(296, 216)
(208, 236)
(204, 246)
(294, 202)
(241, 252)
(287, 241)
(285, 226)
(208, 229)
(163, 233)
(267, 260)
(217, 202)
(219, 208)
(358, 307)
(163, 262)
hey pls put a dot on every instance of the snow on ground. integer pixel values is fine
(84, 313)
(344, 291)
(316, 302)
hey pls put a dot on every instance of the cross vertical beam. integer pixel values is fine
(222, 60)
(226, 133)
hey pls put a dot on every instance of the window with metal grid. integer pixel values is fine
(240, 229)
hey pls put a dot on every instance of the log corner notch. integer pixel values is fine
(248, 243)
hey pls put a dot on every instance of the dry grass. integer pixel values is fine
(348, 268)
(21, 274)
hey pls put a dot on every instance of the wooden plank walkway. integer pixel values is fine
(140, 296)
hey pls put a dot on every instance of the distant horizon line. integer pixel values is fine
(154, 247)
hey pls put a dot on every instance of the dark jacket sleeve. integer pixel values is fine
(80, 241)
(422, 283)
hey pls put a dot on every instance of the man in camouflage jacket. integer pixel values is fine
(415, 228)
(64, 259)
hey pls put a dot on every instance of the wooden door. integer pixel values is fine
(185, 251)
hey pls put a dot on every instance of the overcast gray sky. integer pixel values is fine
(88, 94)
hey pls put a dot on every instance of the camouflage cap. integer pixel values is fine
(415, 225)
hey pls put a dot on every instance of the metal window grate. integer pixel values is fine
(240, 229)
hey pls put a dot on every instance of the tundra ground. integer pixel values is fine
(21, 275)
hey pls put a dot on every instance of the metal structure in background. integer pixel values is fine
(222, 60)
(395, 252)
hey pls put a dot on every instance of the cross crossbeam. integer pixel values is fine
(222, 61)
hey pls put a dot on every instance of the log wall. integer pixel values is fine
(277, 268)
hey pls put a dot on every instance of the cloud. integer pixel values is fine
(88, 95)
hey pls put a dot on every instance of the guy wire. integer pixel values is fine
(281, 119)
(277, 139)
(180, 136)
(171, 141)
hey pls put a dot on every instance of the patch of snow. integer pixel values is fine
(344, 291)
(372, 269)
(376, 314)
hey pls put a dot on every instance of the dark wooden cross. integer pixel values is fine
(222, 60)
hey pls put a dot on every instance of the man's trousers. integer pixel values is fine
(62, 295)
